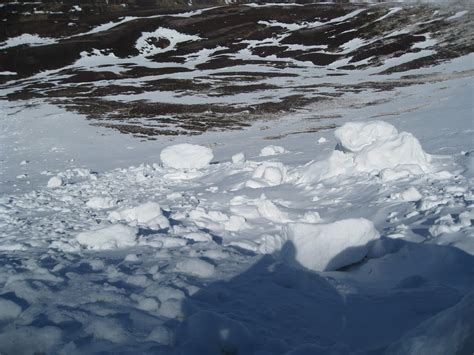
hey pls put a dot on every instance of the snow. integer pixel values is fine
(55, 182)
(409, 195)
(111, 237)
(355, 136)
(373, 147)
(26, 39)
(195, 267)
(8, 310)
(100, 203)
(238, 158)
(308, 249)
(326, 247)
(272, 150)
(186, 156)
(148, 215)
(144, 46)
(450, 331)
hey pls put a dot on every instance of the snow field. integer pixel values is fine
(155, 241)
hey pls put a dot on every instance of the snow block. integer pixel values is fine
(55, 182)
(112, 237)
(327, 247)
(355, 136)
(186, 156)
(400, 150)
(148, 214)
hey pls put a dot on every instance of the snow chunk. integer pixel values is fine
(148, 214)
(272, 150)
(268, 174)
(403, 150)
(355, 136)
(198, 237)
(100, 203)
(410, 195)
(186, 156)
(8, 310)
(326, 247)
(238, 158)
(372, 147)
(112, 237)
(55, 182)
(195, 267)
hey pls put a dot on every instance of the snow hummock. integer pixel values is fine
(186, 156)
(111, 237)
(325, 247)
(374, 147)
(148, 214)
(355, 136)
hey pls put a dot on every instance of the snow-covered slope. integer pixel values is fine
(345, 226)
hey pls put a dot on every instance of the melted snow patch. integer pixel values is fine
(326, 247)
(186, 156)
(145, 44)
(28, 39)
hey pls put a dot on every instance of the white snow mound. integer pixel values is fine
(112, 237)
(326, 247)
(370, 147)
(186, 156)
(148, 214)
(355, 136)
(403, 151)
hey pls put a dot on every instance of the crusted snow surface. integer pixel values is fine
(310, 251)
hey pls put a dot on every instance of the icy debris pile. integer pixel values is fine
(327, 247)
(373, 147)
(186, 156)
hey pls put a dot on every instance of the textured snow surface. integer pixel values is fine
(186, 156)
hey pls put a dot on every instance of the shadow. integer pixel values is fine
(279, 307)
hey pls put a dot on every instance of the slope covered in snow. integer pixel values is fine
(345, 226)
